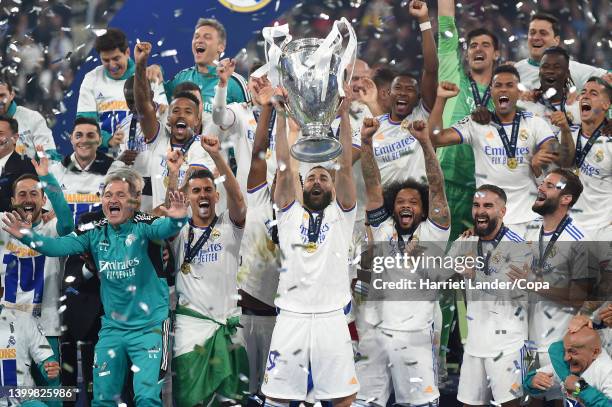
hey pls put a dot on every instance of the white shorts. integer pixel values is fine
(493, 378)
(320, 343)
(403, 361)
(257, 331)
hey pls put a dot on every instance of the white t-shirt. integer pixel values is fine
(398, 154)
(260, 256)
(592, 211)
(402, 315)
(158, 147)
(33, 131)
(538, 109)
(32, 281)
(491, 160)
(316, 281)
(530, 73)
(497, 320)
(101, 94)
(211, 287)
(21, 342)
(568, 261)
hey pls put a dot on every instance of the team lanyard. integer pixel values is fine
(314, 227)
(477, 99)
(581, 152)
(509, 145)
(400, 240)
(132, 135)
(543, 253)
(500, 234)
(191, 252)
(550, 106)
(256, 115)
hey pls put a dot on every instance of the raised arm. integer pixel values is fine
(175, 160)
(440, 136)
(346, 194)
(429, 80)
(65, 220)
(235, 201)
(446, 8)
(222, 116)
(142, 92)
(439, 212)
(369, 168)
(259, 169)
(175, 218)
(284, 194)
(49, 246)
(568, 148)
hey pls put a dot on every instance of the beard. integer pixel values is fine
(547, 207)
(313, 205)
(491, 225)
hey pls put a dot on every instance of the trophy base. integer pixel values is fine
(317, 147)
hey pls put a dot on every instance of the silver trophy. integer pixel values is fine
(312, 71)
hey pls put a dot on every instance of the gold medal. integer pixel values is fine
(270, 245)
(577, 171)
(186, 268)
(166, 181)
(512, 163)
(311, 247)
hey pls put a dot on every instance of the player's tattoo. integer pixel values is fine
(439, 212)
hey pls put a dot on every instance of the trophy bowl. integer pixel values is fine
(313, 99)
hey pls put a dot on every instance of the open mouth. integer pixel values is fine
(114, 209)
(541, 197)
(200, 50)
(504, 101)
(29, 208)
(479, 58)
(401, 104)
(316, 192)
(204, 204)
(585, 106)
(482, 221)
(550, 80)
(406, 215)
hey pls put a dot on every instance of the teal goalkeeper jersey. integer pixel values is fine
(456, 161)
(133, 296)
(236, 86)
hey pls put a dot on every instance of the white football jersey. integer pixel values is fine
(32, 281)
(211, 287)
(241, 136)
(314, 281)
(592, 211)
(103, 95)
(260, 256)
(398, 154)
(196, 157)
(538, 109)
(530, 73)
(21, 342)
(497, 320)
(491, 160)
(81, 187)
(402, 315)
(33, 131)
(568, 261)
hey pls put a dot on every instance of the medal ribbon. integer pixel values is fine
(192, 251)
(400, 240)
(132, 135)
(314, 227)
(549, 105)
(542, 254)
(509, 145)
(581, 153)
(477, 99)
(495, 241)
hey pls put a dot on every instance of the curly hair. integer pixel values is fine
(390, 193)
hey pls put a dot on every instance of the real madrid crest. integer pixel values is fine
(405, 126)
(599, 155)
(216, 233)
(497, 258)
(524, 135)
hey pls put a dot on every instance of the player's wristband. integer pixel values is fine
(425, 26)
(377, 216)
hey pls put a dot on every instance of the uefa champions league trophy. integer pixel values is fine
(312, 71)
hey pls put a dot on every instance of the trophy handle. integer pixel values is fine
(273, 52)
